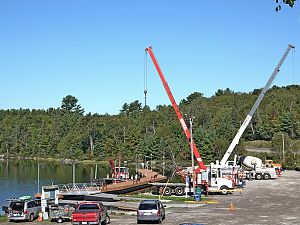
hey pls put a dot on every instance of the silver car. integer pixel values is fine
(151, 210)
(20, 210)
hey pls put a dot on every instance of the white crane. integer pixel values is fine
(240, 132)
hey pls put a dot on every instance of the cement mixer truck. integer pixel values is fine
(253, 168)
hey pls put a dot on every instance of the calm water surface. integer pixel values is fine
(20, 177)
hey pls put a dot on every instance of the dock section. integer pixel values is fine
(146, 177)
(92, 191)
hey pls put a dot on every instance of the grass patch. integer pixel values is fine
(258, 144)
(3, 219)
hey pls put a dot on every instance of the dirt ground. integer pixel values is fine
(261, 202)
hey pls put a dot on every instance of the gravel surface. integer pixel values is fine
(261, 202)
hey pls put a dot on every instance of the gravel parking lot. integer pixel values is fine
(261, 202)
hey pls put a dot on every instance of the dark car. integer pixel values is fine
(151, 210)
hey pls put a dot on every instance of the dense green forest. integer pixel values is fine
(67, 132)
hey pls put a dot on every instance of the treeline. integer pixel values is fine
(139, 131)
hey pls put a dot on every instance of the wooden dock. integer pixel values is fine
(147, 177)
(90, 192)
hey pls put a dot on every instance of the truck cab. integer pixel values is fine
(214, 180)
(121, 173)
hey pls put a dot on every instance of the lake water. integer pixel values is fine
(20, 177)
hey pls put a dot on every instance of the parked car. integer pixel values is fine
(21, 210)
(90, 213)
(151, 210)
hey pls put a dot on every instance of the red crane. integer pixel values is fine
(179, 116)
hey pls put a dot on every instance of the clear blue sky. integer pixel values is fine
(94, 50)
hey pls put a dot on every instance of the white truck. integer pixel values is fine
(253, 168)
(217, 182)
(214, 184)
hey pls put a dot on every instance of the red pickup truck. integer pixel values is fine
(90, 213)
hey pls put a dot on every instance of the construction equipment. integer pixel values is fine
(208, 179)
(174, 104)
(237, 137)
(278, 167)
(259, 171)
(119, 172)
(255, 169)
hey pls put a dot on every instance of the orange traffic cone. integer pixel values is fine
(40, 218)
(231, 207)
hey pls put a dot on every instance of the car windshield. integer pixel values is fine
(147, 206)
(88, 206)
(122, 170)
(18, 206)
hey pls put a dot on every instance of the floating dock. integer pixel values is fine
(147, 177)
(93, 192)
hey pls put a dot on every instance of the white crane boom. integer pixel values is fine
(240, 132)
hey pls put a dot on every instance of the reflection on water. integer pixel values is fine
(20, 177)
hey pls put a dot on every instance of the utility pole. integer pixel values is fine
(73, 173)
(163, 165)
(96, 171)
(283, 148)
(38, 181)
(192, 152)
(136, 163)
(6, 150)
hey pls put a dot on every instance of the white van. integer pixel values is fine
(20, 210)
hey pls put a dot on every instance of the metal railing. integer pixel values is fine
(78, 188)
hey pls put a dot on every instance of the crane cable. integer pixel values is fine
(294, 65)
(145, 77)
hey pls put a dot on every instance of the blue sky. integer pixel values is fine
(94, 50)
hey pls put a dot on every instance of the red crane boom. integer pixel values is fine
(179, 116)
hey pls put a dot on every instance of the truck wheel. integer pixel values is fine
(160, 220)
(258, 176)
(59, 220)
(179, 191)
(31, 217)
(167, 191)
(249, 176)
(106, 221)
(155, 191)
(224, 190)
(267, 176)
